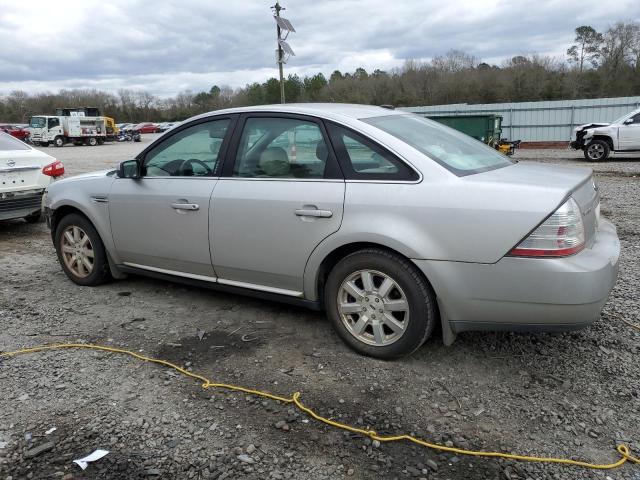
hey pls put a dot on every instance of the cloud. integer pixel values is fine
(165, 47)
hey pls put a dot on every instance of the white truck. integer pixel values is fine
(60, 130)
(598, 140)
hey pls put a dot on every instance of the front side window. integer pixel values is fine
(281, 148)
(54, 122)
(365, 160)
(192, 152)
(457, 152)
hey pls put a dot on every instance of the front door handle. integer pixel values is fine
(314, 212)
(185, 206)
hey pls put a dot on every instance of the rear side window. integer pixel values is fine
(281, 148)
(8, 143)
(362, 159)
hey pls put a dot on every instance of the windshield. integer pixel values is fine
(457, 152)
(37, 122)
(624, 117)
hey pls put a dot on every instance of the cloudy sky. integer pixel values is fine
(169, 46)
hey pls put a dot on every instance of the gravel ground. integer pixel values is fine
(575, 394)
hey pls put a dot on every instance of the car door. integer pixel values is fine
(160, 221)
(629, 134)
(281, 194)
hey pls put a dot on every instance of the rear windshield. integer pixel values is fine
(8, 143)
(457, 152)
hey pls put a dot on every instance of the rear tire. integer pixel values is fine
(597, 151)
(92, 141)
(81, 252)
(58, 142)
(380, 304)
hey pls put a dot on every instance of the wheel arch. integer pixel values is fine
(331, 257)
(605, 138)
(63, 210)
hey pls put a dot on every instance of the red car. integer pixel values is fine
(146, 127)
(15, 131)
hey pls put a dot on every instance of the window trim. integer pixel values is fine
(224, 148)
(332, 173)
(349, 172)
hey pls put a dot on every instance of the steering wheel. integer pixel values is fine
(187, 166)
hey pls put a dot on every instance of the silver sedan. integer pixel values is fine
(390, 222)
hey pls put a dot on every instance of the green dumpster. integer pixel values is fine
(486, 128)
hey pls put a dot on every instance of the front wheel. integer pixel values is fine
(92, 141)
(58, 142)
(81, 252)
(596, 151)
(380, 304)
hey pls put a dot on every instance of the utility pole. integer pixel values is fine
(282, 24)
(277, 8)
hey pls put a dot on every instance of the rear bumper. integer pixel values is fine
(20, 204)
(522, 294)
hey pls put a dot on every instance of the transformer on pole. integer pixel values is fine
(284, 51)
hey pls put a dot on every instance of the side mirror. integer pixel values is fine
(628, 121)
(129, 169)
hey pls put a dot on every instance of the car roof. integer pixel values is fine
(325, 110)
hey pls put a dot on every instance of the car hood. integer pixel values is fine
(587, 126)
(83, 176)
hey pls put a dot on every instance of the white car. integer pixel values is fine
(598, 140)
(24, 174)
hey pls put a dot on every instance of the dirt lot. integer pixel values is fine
(575, 394)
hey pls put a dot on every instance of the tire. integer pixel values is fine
(76, 225)
(92, 141)
(597, 151)
(100, 141)
(377, 339)
(58, 142)
(34, 217)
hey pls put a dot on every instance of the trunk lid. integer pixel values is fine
(22, 170)
(543, 188)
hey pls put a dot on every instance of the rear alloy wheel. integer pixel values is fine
(80, 251)
(92, 141)
(380, 304)
(596, 151)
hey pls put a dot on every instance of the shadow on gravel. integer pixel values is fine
(213, 346)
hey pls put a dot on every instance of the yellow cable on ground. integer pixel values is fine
(620, 317)
(623, 450)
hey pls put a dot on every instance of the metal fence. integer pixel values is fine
(541, 121)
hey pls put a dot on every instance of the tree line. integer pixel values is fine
(597, 64)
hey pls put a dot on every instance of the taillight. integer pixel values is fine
(560, 235)
(54, 169)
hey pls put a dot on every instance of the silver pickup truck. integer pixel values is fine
(598, 140)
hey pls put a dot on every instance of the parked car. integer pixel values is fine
(598, 140)
(24, 174)
(16, 131)
(388, 221)
(146, 127)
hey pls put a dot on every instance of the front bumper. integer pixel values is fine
(528, 294)
(20, 204)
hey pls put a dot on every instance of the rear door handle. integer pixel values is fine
(314, 212)
(185, 206)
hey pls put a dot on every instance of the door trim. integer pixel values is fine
(194, 276)
(221, 281)
(263, 288)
